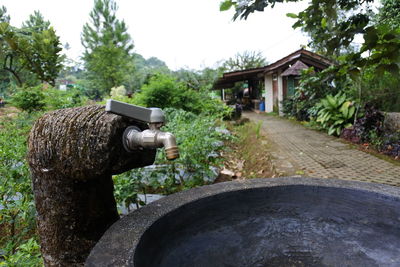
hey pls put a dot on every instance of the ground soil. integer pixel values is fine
(8, 112)
(247, 155)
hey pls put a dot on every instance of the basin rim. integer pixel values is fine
(119, 242)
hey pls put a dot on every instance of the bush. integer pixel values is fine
(57, 99)
(118, 91)
(29, 99)
(381, 90)
(163, 91)
(367, 127)
(335, 113)
(390, 144)
(37, 98)
(17, 212)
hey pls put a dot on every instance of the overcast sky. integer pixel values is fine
(183, 33)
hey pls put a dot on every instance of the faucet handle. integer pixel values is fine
(148, 115)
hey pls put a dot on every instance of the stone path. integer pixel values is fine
(297, 150)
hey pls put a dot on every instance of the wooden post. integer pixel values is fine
(73, 154)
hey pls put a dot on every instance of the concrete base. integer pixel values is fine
(260, 222)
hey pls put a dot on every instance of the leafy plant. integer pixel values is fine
(390, 144)
(27, 254)
(163, 91)
(35, 48)
(57, 99)
(37, 98)
(312, 88)
(126, 189)
(17, 213)
(199, 142)
(118, 91)
(29, 98)
(335, 113)
(366, 128)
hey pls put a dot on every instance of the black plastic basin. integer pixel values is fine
(261, 222)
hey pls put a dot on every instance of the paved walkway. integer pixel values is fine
(297, 150)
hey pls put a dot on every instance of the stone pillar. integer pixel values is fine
(73, 154)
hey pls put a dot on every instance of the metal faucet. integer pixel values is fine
(133, 138)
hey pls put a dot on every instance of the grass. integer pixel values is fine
(248, 155)
(8, 112)
(273, 113)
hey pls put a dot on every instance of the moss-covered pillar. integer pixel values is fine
(72, 155)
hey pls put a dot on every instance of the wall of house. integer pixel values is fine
(280, 93)
(269, 105)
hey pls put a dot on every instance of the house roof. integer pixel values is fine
(228, 79)
(306, 57)
(295, 69)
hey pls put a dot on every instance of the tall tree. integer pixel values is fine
(245, 60)
(4, 75)
(3, 15)
(108, 48)
(34, 48)
(389, 13)
(331, 24)
(36, 22)
(382, 43)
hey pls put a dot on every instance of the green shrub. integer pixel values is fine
(29, 99)
(57, 99)
(118, 91)
(36, 98)
(380, 90)
(17, 213)
(335, 113)
(26, 254)
(163, 91)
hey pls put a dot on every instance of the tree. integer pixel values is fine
(154, 62)
(36, 22)
(108, 48)
(319, 20)
(3, 15)
(389, 13)
(34, 48)
(245, 60)
(331, 24)
(4, 76)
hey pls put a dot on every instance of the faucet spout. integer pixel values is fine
(169, 142)
(134, 139)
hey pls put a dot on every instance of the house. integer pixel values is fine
(275, 81)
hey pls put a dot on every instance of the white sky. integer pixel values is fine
(183, 33)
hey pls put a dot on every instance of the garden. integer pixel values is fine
(195, 118)
(333, 104)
